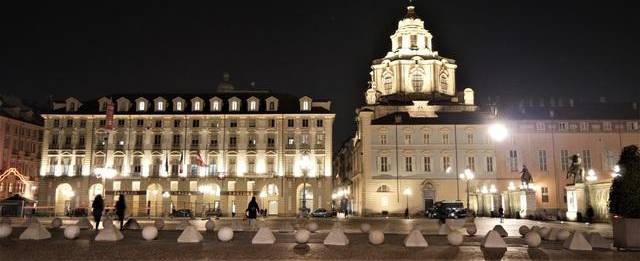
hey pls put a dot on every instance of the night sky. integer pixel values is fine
(319, 48)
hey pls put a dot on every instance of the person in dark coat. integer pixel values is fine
(121, 206)
(98, 207)
(501, 214)
(252, 212)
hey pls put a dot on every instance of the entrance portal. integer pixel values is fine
(64, 194)
(154, 200)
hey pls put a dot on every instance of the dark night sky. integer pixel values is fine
(318, 48)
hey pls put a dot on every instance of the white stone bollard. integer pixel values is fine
(159, 224)
(312, 227)
(210, 225)
(56, 223)
(5, 230)
(149, 233)
(71, 232)
(376, 237)
(455, 238)
(302, 236)
(533, 239)
(523, 230)
(365, 227)
(472, 230)
(563, 235)
(225, 234)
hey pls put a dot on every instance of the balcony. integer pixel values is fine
(232, 147)
(271, 147)
(157, 147)
(251, 147)
(138, 147)
(176, 146)
(194, 147)
(66, 147)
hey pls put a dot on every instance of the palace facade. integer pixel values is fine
(209, 153)
(419, 139)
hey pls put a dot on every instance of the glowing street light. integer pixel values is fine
(511, 186)
(305, 166)
(407, 192)
(467, 176)
(591, 175)
(616, 171)
(498, 132)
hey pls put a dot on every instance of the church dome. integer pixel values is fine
(225, 85)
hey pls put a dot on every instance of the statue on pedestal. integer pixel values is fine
(525, 177)
(575, 170)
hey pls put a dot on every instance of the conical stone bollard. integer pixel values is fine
(132, 224)
(336, 237)
(84, 223)
(35, 231)
(493, 240)
(577, 242)
(110, 233)
(444, 229)
(264, 236)
(415, 239)
(190, 235)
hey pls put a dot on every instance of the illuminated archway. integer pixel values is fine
(309, 196)
(154, 199)
(94, 190)
(64, 195)
(269, 198)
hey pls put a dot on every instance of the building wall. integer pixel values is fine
(20, 144)
(69, 161)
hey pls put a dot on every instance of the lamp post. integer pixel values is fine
(407, 193)
(467, 176)
(304, 166)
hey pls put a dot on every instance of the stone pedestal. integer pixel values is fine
(527, 202)
(576, 201)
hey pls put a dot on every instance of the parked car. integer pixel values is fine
(447, 209)
(321, 212)
(182, 213)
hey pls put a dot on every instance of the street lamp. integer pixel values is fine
(591, 175)
(467, 176)
(305, 165)
(498, 132)
(616, 171)
(407, 192)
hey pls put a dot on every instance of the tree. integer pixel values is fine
(624, 199)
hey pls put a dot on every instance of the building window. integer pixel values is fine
(176, 123)
(470, 138)
(545, 194)
(471, 163)
(564, 126)
(121, 123)
(272, 123)
(215, 106)
(272, 106)
(384, 166)
(179, 106)
(195, 123)
(606, 125)
(305, 123)
(542, 160)
(176, 140)
(540, 126)
(427, 164)
(513, 160)
(319, 123)
(253, 106)
(160, 106)
(291, 141)
(489, 164)
(445, 138)
(426, 138)
(252, 123)
(564, 159)
(141, 106)
(383, 139)
(417, 81)
(408, 164)
(196, 106)
(305, 106)
(383, 188)
(140, 123)
(157, 140)
(233, 123)
(234, 106)
(158, 124)
(387, 81)
(407, 139)
(290, 123)
(446, 164)
(83, 123)
(586, 159)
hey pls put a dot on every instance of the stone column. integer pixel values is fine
(576, 201)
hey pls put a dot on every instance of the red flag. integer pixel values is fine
(109, 117)
(200, 161)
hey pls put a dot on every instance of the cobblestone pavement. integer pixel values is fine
(133, 247)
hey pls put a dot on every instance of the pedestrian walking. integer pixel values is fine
(501, 214)
(121, 206)
(252, 212)
(98, 207)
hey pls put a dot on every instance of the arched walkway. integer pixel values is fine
(154, 199)
(308, 196)
(269, 197)
(64, 195)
